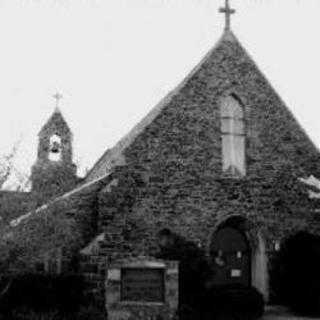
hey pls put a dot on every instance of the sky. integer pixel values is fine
(113, 60)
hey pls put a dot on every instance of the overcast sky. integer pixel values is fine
(113, 60)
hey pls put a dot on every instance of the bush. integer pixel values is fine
(31, 315)
(234, 302)
(88, 313)
(42, 293)
(47, 297)
(295, 278)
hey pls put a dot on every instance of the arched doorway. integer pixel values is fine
(231, 256)
(238, 254)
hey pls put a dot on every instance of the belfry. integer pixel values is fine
(54, 171)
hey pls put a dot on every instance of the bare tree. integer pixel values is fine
(7, 164)
(9, 170)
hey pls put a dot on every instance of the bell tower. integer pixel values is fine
(54, 171)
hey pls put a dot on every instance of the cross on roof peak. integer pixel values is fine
(228, 11)
(57, 96)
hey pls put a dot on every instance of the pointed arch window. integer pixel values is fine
(233, 136)
(55, 148)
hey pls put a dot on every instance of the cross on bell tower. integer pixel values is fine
(57, 96)
(228, 11)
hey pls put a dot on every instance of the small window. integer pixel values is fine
(55, 148)
(233, 136)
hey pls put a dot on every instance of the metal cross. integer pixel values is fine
(58, 96)
(228, 12)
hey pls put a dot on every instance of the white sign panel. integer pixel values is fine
(235, 273)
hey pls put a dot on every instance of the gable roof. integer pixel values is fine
(114, 156)
(89, 187)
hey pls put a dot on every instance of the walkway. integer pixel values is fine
(281, 313)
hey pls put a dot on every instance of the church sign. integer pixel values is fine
(142, 288)
(142, 284)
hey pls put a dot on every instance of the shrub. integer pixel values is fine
(85, 313)
(295, 278)
(234, 302)
(90, 313)
(31, 315)
(42, 293)
(193, 270)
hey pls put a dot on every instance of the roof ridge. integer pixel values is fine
(15, 222)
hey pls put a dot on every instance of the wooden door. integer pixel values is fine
(231, 257)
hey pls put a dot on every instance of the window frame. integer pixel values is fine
(225, 119)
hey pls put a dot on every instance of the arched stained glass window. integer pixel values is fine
(233, 136)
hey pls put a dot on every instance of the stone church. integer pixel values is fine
(217, 161)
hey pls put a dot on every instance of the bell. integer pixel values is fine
(55, 147)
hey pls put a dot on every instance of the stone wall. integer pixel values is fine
(178, 160)
(172, 177)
